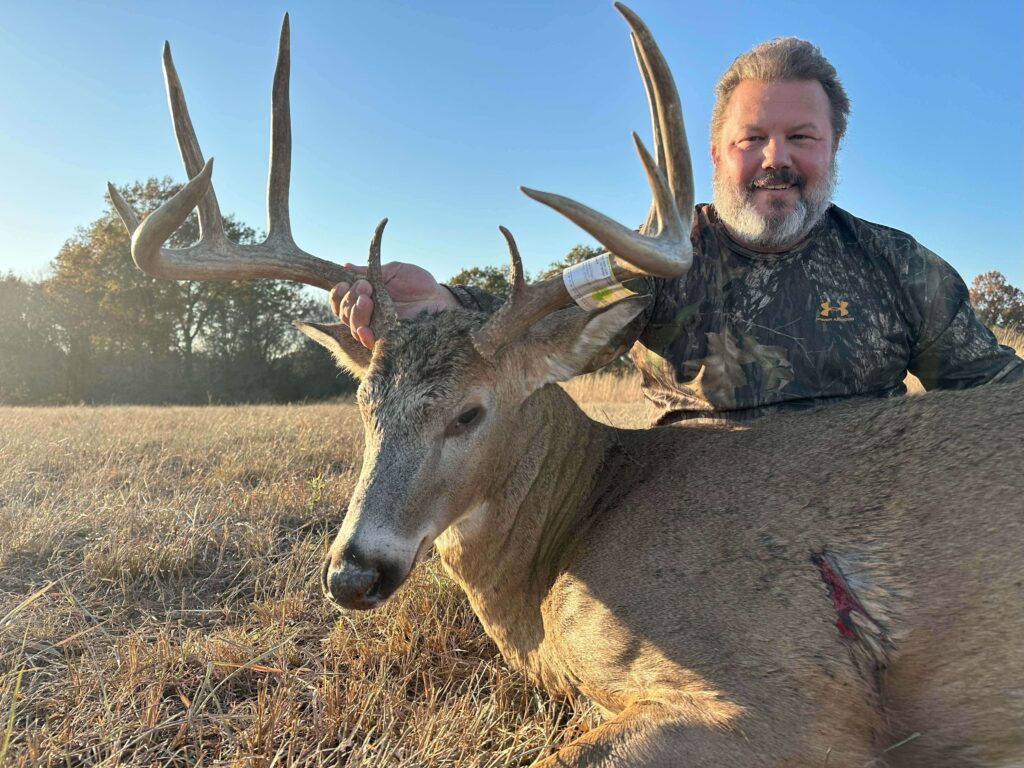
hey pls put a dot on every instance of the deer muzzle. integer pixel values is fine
(352, 580)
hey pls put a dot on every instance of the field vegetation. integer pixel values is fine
(159, 601)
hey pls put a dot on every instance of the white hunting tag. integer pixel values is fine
(592, 283)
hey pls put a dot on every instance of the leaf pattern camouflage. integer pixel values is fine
(845, 313)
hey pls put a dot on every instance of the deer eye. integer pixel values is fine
(464, 420)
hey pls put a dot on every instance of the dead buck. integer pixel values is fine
(837, 588)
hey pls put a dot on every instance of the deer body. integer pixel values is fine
(813, 590)
(680, 581)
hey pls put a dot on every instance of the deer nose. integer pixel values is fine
(353, 581)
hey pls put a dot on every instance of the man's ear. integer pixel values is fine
(714, 156)
(336, 338)
(570, 342)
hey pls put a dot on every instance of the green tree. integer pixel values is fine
(577, 254)
(31, 360)
(250, 330)
(493, 280)
(128, 337)
(996, 302)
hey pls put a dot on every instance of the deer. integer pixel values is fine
(841, 587)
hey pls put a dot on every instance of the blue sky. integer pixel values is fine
(434, 113)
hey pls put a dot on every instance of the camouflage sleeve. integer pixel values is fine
(951, 349)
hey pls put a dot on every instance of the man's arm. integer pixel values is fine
(952, 348)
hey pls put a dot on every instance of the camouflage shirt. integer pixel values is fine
(845, 313)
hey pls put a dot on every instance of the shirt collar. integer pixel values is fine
(726, 240)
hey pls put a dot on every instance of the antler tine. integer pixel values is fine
(211, 223)
(636, 254)
(125, 211)
(215, 257)
(516, 267)
(671, 146)
(668, 253)
(652, 224)
(525, 305)
(384, 314)
(279, 176)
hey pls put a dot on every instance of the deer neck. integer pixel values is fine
(507, 550)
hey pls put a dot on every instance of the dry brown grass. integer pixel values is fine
(615, 399)
(159, 602)
(1011, 338)
(159, 605)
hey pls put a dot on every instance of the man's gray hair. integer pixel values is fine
(784, 58)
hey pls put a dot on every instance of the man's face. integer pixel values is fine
(774, 162)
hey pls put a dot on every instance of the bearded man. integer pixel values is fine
(791, 302)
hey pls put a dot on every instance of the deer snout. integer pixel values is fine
(354, 581)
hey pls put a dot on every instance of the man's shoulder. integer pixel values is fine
(911, 262)
(868, 231)
(878, 242)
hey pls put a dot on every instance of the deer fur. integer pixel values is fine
(680, 576)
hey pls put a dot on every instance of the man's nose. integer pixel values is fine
(776, 154)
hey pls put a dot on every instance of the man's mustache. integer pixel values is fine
(781, 177)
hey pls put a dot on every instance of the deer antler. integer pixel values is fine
(215, 257)
(662, 248)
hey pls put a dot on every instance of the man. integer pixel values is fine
(791, 302)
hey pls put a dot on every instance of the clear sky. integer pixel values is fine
(433, 113)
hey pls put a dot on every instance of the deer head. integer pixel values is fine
(439, 394)
(441, 420)
(441, 397)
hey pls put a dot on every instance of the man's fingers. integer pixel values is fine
(345, 307)
(365, 336)
(337, 294)
(355, 311)
(354, 307)
(362, 311)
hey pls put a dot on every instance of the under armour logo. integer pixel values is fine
(839, 313)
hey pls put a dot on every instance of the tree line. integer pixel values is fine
(98, 330)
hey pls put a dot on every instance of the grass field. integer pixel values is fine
(159, 602)
(160, 605)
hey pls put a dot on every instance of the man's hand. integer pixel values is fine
(412, 290)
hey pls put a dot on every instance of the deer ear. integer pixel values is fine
(336, 338)
(571, 341)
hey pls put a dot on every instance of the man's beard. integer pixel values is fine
(735, 207)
